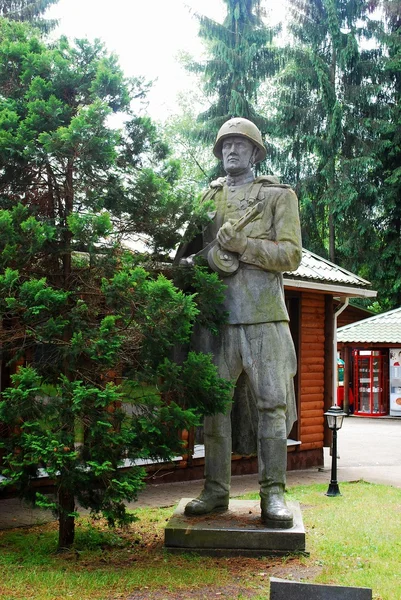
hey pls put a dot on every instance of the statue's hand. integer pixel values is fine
(229, 239)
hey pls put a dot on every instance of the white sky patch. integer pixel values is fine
(146, 35)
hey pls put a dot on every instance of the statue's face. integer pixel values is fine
(237, 154)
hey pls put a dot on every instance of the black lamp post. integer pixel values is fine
(335, 417)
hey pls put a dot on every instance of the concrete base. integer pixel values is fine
(237, 532)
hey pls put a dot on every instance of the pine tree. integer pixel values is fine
(28, 10)
(87, 333)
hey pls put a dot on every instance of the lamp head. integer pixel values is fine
(335, 416)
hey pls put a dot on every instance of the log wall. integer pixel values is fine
(352, 314)
(312, 372)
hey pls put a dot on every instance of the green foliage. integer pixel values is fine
(197, 384)
(330, 106)
(89, 227)
(56, 124)
(240, 57)
(386, 213)
(43, 436)
(209, 293)
(28, 10)
(84, 324)
(324, 120)
(168, 315)
(196, 159)
(22, 237)
(334, 116)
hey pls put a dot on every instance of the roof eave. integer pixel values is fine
(341, 290)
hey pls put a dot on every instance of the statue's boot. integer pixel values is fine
(272, 458)
(206, 503)
(215, 494)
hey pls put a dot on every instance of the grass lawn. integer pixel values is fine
(353, 540)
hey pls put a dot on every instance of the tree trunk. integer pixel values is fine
(332, 238)
(66, 520)
(66, 498)
(69, 204)
(332, 159)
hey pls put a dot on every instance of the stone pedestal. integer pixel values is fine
(238, 531)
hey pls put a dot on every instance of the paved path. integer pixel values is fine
(369, 449)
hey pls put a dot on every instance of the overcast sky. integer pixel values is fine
(147, 35)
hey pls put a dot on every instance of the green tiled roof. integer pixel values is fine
(316, 268)
(383, 329)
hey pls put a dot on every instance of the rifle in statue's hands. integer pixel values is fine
(223, 261)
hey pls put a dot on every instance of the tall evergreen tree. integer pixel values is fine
(240, 58)
(324, 118)
(387, 215)
(28, 10)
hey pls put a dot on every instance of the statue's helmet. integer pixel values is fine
(243, 128)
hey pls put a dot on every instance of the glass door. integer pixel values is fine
(370, 399)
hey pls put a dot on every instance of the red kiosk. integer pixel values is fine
(370, 398)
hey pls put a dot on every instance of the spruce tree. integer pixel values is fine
(387, 177)
(240, 58)
(324, 120)
(28, 10)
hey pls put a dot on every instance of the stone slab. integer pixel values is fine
(281, 589)
(238, 531)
